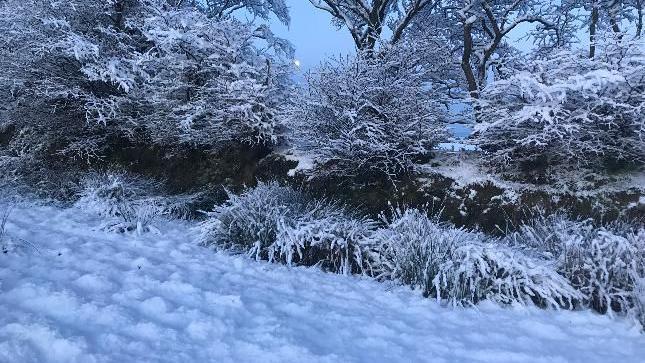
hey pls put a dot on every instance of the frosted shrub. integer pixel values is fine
(463, 267)
(603, 263)
(336, 242)
(567, 111)
(208, 93)
(606, 273)
(368, 115)
(249, 222)
(548, 235)
(132, 201)
(82, 79)
(491, 271)
(277, 223)
(639, 283)
(412, 247)
(108, 194)
(138, 69)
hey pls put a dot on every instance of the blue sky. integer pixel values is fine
(315, 37)
(313, 34)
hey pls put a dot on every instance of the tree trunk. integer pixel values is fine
(119, 8)
(471, 80)
(592, 29)
(639, 22)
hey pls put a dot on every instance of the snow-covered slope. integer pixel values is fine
(90, 296)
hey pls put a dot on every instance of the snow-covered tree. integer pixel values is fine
(368, 115)
(259, 8)
(486, 24)
(205, 82)
(593, 17)
(75, 75)
(479, 30)
(568, 111)
(366, 19)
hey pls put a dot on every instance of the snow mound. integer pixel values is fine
(90, 296)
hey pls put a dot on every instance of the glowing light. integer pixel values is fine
(296, 62)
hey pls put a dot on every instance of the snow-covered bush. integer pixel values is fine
(368, 114)
(81, 78)
(277, 223)
(603, 263)
(206, 82)
(412, 247)
(135, 202)
(568, 112)
(327, 237)
(549, 234)
(107, 193)
(463, 267)
(46, 93)
(249, 222)
(491, 271)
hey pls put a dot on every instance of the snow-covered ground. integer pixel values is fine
(91, 296)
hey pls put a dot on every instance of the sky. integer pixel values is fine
(312, 34)
(316, 38)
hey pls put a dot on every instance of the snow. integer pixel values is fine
(456, 146)
(305, 162)
(467, 170)
(91, 296)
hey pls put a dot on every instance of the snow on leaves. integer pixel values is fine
(568, 110)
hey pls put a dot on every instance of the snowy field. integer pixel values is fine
(91, 296)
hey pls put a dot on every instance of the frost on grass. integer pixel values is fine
(640, 301)
(336, 242)
(463, 267)
(549, 263)
(280, 224)
(4, 240)
(488, 271)
(606, 264)
(129, 203)
(249, 222)
(412, 247)
(9, 242)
